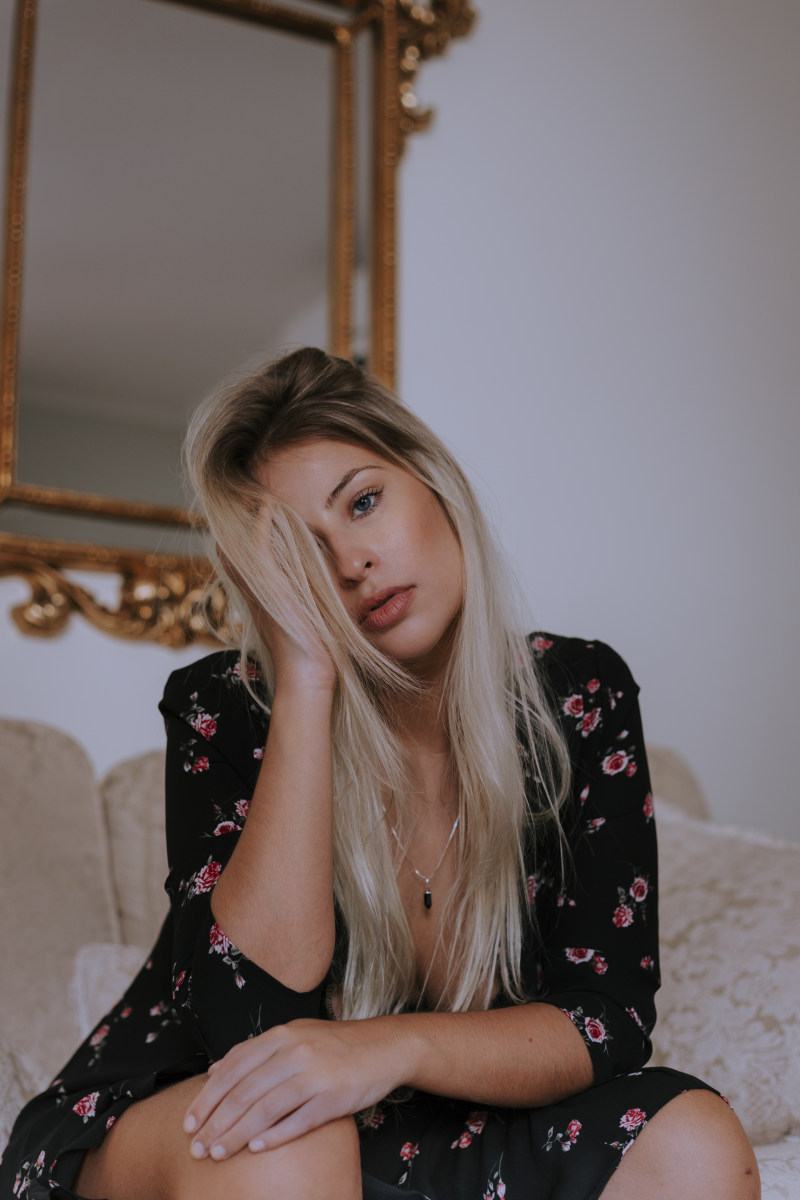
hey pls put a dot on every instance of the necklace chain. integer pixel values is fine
(426, 879)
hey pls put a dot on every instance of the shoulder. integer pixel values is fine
(585, 681)
(568, 663)
(212, 696)
(210, 714)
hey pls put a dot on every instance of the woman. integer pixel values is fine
(426, 899)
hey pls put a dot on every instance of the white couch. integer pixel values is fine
(82, 866)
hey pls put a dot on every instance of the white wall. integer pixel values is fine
(600, 289)
(600, 299)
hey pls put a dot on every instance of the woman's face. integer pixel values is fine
(392, 553)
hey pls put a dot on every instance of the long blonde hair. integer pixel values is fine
(501, 730)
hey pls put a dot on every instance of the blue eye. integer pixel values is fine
(366, 501)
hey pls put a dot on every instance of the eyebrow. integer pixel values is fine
(343, 482)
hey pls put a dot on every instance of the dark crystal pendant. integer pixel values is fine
(427, 898)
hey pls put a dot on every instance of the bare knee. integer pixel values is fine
(324, 1163)
(146, 1157)
(694, 1147)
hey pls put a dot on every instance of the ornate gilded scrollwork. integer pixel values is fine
(425, 31)
(173, 601)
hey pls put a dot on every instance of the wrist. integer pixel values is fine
(308, 681)
(408, 1048)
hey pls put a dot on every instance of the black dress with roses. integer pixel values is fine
(595, 957)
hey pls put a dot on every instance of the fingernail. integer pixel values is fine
(198, 1150)
(189, 1124)
(217, 1152)
(256, 1144)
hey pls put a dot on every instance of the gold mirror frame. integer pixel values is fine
(165, 598)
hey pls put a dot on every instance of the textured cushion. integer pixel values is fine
(730, 937)
(133, 804)
(54, 870)
(779, 1167)
(12, 1092)
(103, 970)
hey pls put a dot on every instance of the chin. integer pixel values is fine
(419, 653)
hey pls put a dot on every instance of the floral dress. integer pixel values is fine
(595, 957)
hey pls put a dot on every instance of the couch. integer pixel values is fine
(82, 864)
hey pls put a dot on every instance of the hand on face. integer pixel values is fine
(283, 1083)
(296, 658)
(391, 551)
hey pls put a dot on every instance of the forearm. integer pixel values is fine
(522, 1056)
(274, 898)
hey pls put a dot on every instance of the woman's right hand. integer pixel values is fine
(298, 658)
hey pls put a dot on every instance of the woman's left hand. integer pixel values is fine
(290, 1080)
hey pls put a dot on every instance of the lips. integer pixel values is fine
(384, 608)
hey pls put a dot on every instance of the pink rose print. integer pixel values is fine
(408, 1151)
(224, 827)
(204, 724)
(475, 1123)
(251, 670)
(596, 823)
(179, 980)
(242, 808)
(110, 1122)
(635, 1016)
(585, 794)
(530, 888)
(596, 1030)
(578, 954)
(623, 916)
(647, 963)
(206, 877)
(258, 752)
(126, 1012)
(541, 643)
(151, 1037)
(632, 1119)
(99, 1035)
(593, 685)
(86, 1107)
(200, 764)
(373, 1121)
(647, 807)
(631, 769)
(590, 722)
(565, 1140)
(573, 706)
(638, 888)
(219, 942)
(600, 965)
(612, 764)
(157, 1010)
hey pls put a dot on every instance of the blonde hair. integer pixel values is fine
(499, 724)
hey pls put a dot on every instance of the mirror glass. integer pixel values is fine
(177, 227)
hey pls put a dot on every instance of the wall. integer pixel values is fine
(601, 287)
(600, 284)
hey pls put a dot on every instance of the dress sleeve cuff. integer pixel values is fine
(225, 998)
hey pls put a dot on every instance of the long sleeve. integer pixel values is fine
(215, 741)
(599, 928)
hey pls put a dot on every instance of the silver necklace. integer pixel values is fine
(426, 879)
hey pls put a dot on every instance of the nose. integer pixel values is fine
(352, 560)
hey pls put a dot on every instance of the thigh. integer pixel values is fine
(695, 1148)
(145, 1156)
